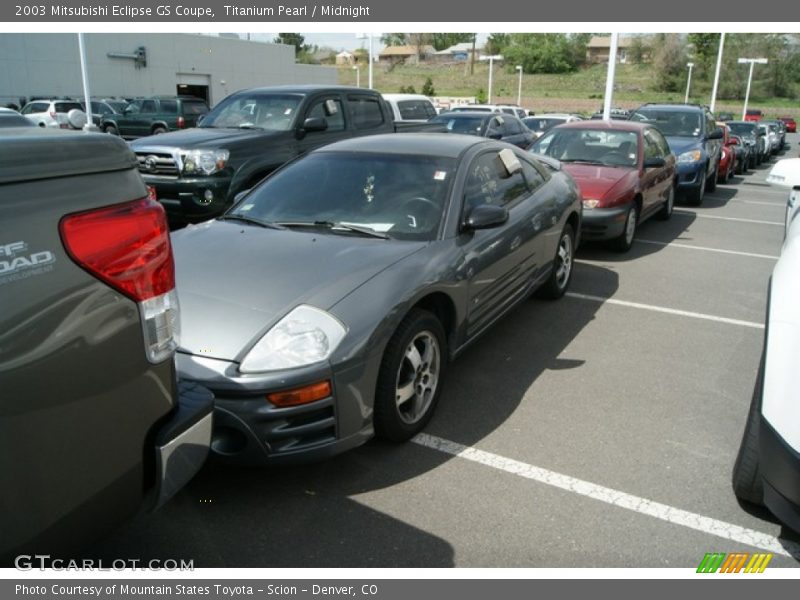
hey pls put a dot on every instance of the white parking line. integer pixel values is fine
(765, 203)
(663, 309)
(701, 216)
(637, 504)
(706, 249)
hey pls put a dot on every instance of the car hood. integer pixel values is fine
(200, 137)
(679, 145)
(235, 281)
(596, 181)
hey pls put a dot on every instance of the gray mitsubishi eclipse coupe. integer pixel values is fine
(324, 306)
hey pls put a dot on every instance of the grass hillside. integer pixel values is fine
(581, 91)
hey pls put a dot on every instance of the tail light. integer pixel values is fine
(127, 246)
(181, 122)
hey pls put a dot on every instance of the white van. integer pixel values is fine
(410, 107)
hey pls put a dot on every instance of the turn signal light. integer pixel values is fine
(300, 395)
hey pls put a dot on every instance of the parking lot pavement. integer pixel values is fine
(599, 430)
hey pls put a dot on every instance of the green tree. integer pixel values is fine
(440, 41)
(293, 39)
(669, 62)
(496, 43)
(427, 88)
(545, 52)
(394, 39)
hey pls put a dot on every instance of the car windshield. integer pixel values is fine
(742, 128)
(461, 124)
(596, 146)
(255, 111)
(402, 196)
(542, 124)
(672, 123)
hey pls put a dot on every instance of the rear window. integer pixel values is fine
(65, 107)
(169, 107)
(366, 112)
(416, 109)
(678, 123)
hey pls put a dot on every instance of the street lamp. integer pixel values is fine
(358, 75)
(752, 62)
(519, 88)
(491, 60)
(688, 82)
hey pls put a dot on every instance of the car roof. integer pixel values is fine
(304, 89)
(22, 150)
(612, 125)
(406, 97)
(448, 145)
(672, 107)
(458, 114)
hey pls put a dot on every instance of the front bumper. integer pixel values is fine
(691, 175)
(191, 200)
(780, 469)
(182, 443)
(250, 430)
(603, 223)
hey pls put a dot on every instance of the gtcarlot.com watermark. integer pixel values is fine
(44, 562)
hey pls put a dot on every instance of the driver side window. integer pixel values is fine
(489, 183)
(331, 110)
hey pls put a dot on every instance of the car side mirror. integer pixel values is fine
(486, 216)
(494, 135)
(315, 124)
(655, 162)
(717, 134)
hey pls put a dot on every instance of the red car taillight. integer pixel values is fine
(181, 122)
(127, 246)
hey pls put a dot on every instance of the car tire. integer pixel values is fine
(111, 130)
(558, 282)
(414, 363)
(624, 241)
(666, 209)
(711, 183)
(747, 482)
(695, 196)
(158, 130)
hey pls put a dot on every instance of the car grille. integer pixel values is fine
(157, 163)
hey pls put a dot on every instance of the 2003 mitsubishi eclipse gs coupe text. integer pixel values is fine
(324, 306)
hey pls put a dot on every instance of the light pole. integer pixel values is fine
(519, 88)
(491, 60)
(368, 36)
(612, 66)
(716, 73)
(688, 82)
(358, 75)
(752, 62)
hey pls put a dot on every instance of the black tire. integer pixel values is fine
(391, 421)
(558, 282)
(711, 183)
(111, 130)
(624, 241)
(159, 130)
(666, 209)
(747, 482)
(695, 196)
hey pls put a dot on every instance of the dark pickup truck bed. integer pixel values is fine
(197, 173)
(93, 423)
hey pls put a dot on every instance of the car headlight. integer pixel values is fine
(305, 336)
(590, 204)
(689, 157)
(206, 162)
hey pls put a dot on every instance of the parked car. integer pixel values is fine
(727, 160)
(791, 124)
(541, 123)
(753, 115)
(154, 116)
(105, 108)
(197, 173)
(625, 171)
(614, 113)
(410, 107)
(11, 118)
(742, 153)
(725, 116)
(58, 114)
(694, 138)
(491, 125)
(767, 468)
(771, 136)
(95, 425)
(753, 138)
(509, 109)
(780, 131)
(386, 256)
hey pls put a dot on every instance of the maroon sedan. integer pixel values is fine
(791, 124)
(625, 171)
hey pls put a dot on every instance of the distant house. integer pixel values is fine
(459, 52)
(405, 54)
(599, 48)
(345, 58)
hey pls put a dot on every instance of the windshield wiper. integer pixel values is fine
(251, 220)
(332, 225)
(582, 161)
(248, 126)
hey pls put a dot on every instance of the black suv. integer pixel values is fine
(694, 138)
(152, 116)
(94, 423)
